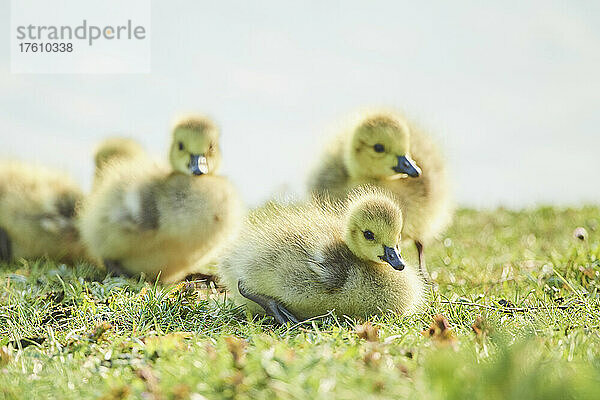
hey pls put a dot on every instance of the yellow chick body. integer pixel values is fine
(383, 149)
(38, 210)
(297, 262)
(146, 218)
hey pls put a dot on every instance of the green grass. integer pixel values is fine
(526, 284)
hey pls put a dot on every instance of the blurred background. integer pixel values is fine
(511, 91)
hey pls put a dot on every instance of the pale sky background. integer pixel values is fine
(511, 90)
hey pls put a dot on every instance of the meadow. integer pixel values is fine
(514, 314)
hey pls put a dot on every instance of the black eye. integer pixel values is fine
(369, 235)
(379, 148)
(180, 146)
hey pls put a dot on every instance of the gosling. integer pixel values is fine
(114, 149)
(382, 149)
(38, 214)
(298, 262)
(144, 218)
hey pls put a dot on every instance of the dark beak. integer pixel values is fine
(198, 164)
(407, 166)
(392, 257)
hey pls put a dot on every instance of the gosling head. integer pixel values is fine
(373, 230)
(380, 147)
(116, 148)
(195, 147)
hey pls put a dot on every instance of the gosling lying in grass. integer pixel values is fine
(37, 213)
(144, 218)
(381, 148)
(297, 262)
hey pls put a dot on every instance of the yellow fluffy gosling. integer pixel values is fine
(297, 262)
(146, 218)
(383, 149)
(114, 149)
(37, 213)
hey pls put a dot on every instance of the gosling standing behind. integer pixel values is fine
(297, 262)
(114, 149)
(145, 218)
(383, 149)
(37, 213)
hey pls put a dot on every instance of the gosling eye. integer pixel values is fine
(369, 235)
(379, 148)
(180, 144)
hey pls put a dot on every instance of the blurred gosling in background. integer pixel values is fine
(146, 218)
(114, 149)
(38, 210)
